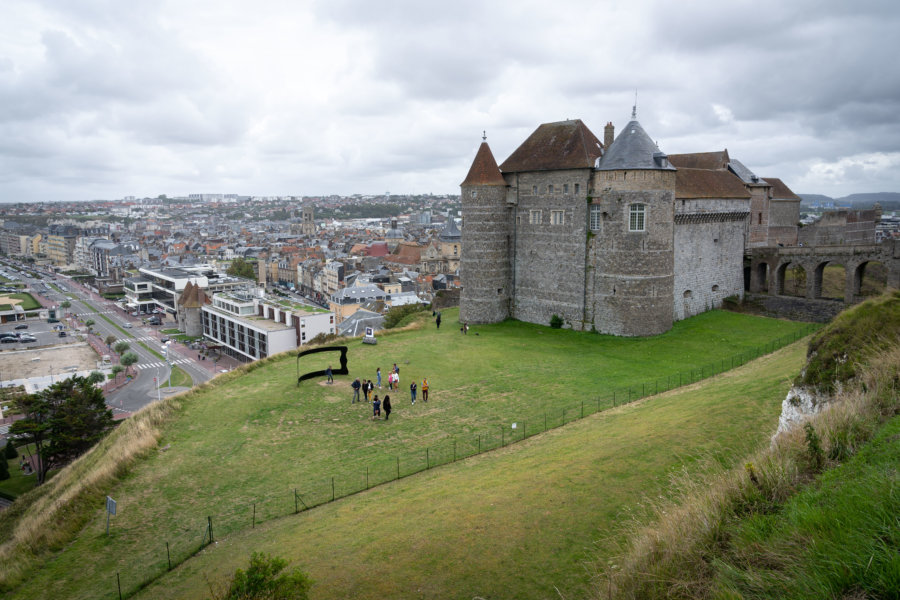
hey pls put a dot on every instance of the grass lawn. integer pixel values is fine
(254, 437)
(523, 522)
(27, 301)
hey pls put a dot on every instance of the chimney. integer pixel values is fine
(393, 223)
(609, 134)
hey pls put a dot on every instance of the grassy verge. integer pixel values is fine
(237, 441)
(180, 378)
(744, 534)
(121, 329)
(28, 301)
(850, 513)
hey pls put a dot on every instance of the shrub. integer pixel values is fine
(4, 469)
(398, 313)
(556, 322)
(10, 451)
(261, 581)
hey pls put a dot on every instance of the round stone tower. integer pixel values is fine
(484, 269)
(631, 254)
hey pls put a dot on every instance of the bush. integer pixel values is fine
(10, 451)
(4, 469)
(395, 315)
(261, 581)
(556, 322)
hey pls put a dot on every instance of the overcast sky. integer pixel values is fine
(109, 98)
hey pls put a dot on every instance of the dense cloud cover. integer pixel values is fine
(103, 98)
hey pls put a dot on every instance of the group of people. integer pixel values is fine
(367, 387)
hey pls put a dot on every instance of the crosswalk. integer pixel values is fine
(160, 365)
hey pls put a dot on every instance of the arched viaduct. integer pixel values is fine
(768, 266)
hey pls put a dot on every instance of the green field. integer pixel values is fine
(250, 439)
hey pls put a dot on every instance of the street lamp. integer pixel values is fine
(157, 384)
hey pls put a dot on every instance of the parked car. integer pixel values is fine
(126, 325)
(62, 334)
(22, 326)
(9, 340)
(164, 339)
(27, 338)
(51, 320)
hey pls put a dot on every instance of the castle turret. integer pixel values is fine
(632, 253)
(484, 263)
(609, 134)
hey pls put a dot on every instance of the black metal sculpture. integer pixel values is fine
(341, 371)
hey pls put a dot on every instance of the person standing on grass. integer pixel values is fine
(365, 389)
(412, 392)
(371, 387)
(355, 385)
(387, 407)
(425, 390)
(378, 375)
(329, 375)
(376, 407)
(438, 320)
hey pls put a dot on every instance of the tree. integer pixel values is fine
(62, 421)
(10, 451)
(114, 372)
(128, 359)
(261, 581)
(110, 340)
(66, 305)
(95, 377)
(4, 468)
(89, 324)
(122, 347)
(242, 268)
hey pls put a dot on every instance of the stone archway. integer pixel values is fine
(790, 279)
(759, 278)
(869, 278)
(830, 280)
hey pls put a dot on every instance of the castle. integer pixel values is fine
(613, 236)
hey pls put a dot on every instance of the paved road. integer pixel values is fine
(143, 389)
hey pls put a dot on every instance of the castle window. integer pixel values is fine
(534, 190)
(557, 217)
(595, 217)
(473, 193)
(550, 189)
(534, 217)
(636, 214)
(565, 188)
(577, 187)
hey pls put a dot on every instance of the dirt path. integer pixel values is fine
(20, 364)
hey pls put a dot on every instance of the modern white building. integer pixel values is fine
(251, 328)
(161, 288)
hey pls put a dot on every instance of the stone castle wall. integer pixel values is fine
(484, 265)
(758, 224)
(549, 258)
(840, 227)
(631, 273)
(783, 218)
(709, 245)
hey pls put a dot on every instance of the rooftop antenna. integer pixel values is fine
(634, 108)
(483, 135)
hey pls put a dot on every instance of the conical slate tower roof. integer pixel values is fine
(633, 149)
(484, 170)
(451, 232)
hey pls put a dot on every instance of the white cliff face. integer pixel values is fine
(799, 404)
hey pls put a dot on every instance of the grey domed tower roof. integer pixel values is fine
(633, 149)
(451, 232)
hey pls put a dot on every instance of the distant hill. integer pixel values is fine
(888, 200)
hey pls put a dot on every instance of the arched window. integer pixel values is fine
(636, 220)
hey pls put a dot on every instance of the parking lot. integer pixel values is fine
(42, 332)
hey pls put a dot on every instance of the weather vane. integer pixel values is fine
(634, 108)
(483, 135)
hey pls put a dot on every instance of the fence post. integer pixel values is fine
(398, 467)
(502, 436)
(545, 421)
(296, 504)
(427, 459)
(119, 585)
(479, 444)
(454, 450)
(254, 518)
(582, 409)
(367, 476)
(168, 556)
(614, 398)
(209, 523)
(332, 489)
(629, 394)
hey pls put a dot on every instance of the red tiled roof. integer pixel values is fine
(701, 160)
(780, 190)
(561, 145)
(706, 183)
(484, 169)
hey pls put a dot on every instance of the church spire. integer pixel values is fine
(484, 170)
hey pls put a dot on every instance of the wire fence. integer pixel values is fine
(141, 565)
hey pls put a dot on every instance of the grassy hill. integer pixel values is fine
(511, 522)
